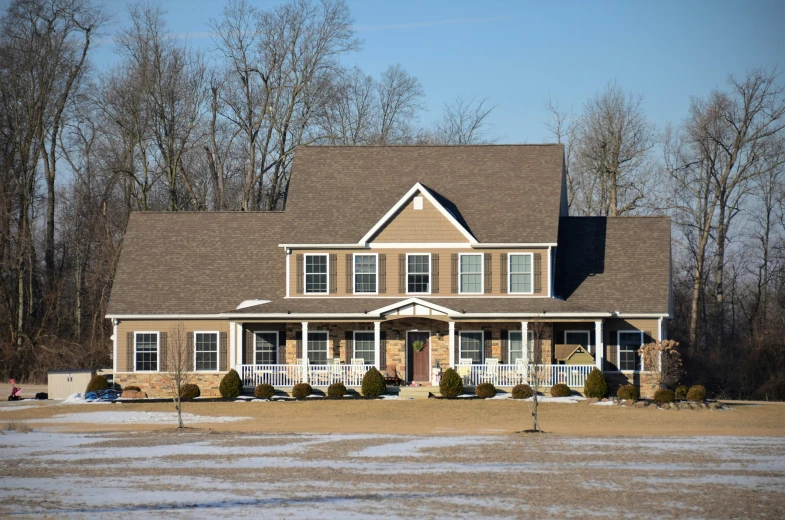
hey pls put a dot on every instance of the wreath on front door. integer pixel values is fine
(418, 345)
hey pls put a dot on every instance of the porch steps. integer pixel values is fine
(417, 392)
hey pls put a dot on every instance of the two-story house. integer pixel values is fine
(405, 258)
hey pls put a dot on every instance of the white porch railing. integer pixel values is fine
(290, 375)
(325, 375)
(276, 375)
(511, 375)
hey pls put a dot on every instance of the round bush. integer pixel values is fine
(336, 390)
(663, 395)
(596, 385)
(96, 384)
(630, 392)
(231, 385)
(132, 388)
(301, 390)
(560, 390)
(681, 393)
(697, 393)
(451, 384)
(189, 392)
(264, 391)
(522, 392)
(373, 383)
(485, 390)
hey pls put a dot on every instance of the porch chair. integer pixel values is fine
(335, 371)
(491, 371)
(357, 371)
(464, 369)
(521, 370)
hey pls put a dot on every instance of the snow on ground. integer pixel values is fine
(135, 417)
(603, 403)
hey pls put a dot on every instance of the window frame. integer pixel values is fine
(354, 272)
(482, 344)
(217, 349)
(529, 338)
(639, 368)
(588, 336)
(482, 273)
(326, 342)
(354, 344)
(305, 273)
(510, 273)
(157, 350)
(430, 274)
(275, 347)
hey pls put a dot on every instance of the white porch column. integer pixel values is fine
(305, 352)
(451, 334)
(377, 342)
(232, 346)
(525, 342)
(599, 344)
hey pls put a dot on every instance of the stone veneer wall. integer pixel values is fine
(643, 380)
(154, 385)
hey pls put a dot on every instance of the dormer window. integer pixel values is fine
(316, 274)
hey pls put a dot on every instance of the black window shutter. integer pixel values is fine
(163, 355)
(333, 273)
(223, 346)
(456, 348)
(488, 344)
(349, 347)
(504, 335)
(129, 351)
(382, 350)
(382, 273)
(299, 273)
(435, 273)
(349, 273)
(454, 273)
(298, 337)
(537, 272)
(503, 272)
(248, 349)
(402, 273)
(488, 273)
(281, 357)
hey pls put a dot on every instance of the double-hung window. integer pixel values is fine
(470, 273)
(418, 273)
(317, 347)
(316, 274)
(364, 347)
(629, 343)
(206, 350)
(516, 346)
(146, 356)
(520, 277)
(365, 275)
(265, 344)
(470, 346)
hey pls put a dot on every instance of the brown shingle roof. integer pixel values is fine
(503, 193)
(615, 263)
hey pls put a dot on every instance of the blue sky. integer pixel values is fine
(518, 53)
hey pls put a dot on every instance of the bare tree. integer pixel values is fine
(465, 121)
(400, 99)
(178, 370)
(539, 372)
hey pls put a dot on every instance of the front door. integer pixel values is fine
(421, 361)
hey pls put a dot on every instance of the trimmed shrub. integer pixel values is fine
(663, 395)
(231, 386)
(336, 390)
(697, 393)
(596, 385)
(485, 390)
(630, 392)
(301, 390)
(373, 383)
(681, 393)
(560, 390)
(264, 391)
(132, 388)
(97, 383)
(522, 392)
(451, 384)
(189, 392)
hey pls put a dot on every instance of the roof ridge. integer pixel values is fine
(192, 212)
(358, 146)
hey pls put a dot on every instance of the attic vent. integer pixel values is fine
(417, 202)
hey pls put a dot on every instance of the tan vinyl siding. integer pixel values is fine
(168, 326)
(445, 270)
(419, 225)
(612, 326)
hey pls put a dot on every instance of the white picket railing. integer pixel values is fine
(511, 375)
(325, 375)
(276, 375)
(290, 375)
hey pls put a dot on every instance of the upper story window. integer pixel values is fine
(470, 273)
(418, 273)
(365, 274)
(316, 274)
(206, 350)
(520, 277)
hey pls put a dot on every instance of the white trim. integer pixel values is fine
(575, 331)
(550, 271)
(599, 347)
(115, 344)
(430, 352)
(305, 273)
(232, 346)
(275, 348)
(482, 273)
(157, 351)
(659, 330)
(251, 303)
(513, 245)
(354, 343)
(451, 332)
(618, 349)
(354, 272)
(525, 332)
(403, 200)
(288, 253)
(377, 343)
(510, 273)
(363, 315)
(424, 245)
(418, 245)
(412, 301)
(319, 246)
(217, 350)
(430, 274)
(482, 344)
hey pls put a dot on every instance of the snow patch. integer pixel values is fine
(118, 417)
